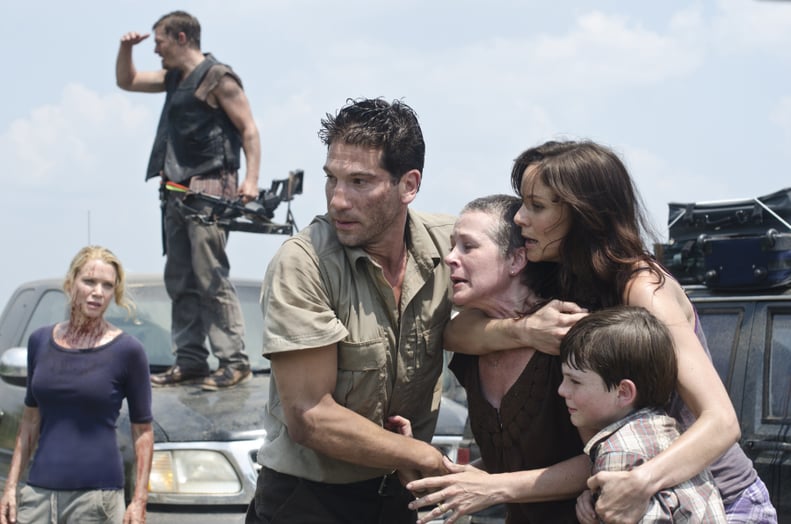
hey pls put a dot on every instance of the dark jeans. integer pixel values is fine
(204, 302)
(284, 499)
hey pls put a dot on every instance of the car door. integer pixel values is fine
(28, 309)
(727, 325)
(750, 341)
(768, 379)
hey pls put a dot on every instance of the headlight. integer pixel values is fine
(192, 471)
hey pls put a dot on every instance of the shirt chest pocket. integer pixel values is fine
(361, 385)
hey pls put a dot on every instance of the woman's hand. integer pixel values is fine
(135, 512)
(622, 495)
(8, 506)
(585, 512)
(400, 425)
(544, 329)
(465, 490)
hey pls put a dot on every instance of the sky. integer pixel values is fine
(695, 96)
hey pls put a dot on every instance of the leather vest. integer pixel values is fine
(193, 138)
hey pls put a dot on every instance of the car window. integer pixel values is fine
(151, 319)
(50, 309)
(778, 388)
(253, 324)
(722, 327)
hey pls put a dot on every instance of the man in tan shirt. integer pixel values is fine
(354, 309)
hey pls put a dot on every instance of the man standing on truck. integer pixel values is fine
(205, 121)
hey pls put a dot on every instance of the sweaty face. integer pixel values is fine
(479, 270)
(589, 402)
(362, 202)
(93, 289)
(543, 218)
(165, 46)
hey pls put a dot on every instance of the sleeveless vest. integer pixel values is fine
(193, 138)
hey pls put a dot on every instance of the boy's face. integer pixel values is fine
(590, 403)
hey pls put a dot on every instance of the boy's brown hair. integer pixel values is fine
(625, 342)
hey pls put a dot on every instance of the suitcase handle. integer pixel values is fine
(772, 239)
(739, 217)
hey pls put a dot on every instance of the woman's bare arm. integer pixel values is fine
(624, 495)
(26, 441)
(472, 332)
(468, 489)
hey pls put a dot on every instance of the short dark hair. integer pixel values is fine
(625, 342)
(177, 22)
(506, 234)
(374, 122)
(540, 277)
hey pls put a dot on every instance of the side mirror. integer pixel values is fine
(13, 366)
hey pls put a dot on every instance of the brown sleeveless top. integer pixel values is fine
(531, 430)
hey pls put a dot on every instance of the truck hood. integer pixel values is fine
(189, 414)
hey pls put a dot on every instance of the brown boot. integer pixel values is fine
(225, 378)
(175, 376)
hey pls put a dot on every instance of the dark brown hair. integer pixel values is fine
(374, 122)
(625, 342)
(177, 22)
(604, 243)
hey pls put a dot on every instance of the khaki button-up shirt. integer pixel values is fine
(317, 292)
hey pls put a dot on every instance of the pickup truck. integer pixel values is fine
(205, 443)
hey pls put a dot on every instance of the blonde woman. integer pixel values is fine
(79, 372)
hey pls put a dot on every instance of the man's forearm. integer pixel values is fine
(342, 434)
(251, 145)
(124, 67)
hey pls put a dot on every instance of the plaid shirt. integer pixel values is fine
(638, 438)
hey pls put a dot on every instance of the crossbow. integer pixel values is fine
(255, 216)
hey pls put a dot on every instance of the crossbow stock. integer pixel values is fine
(255, 216)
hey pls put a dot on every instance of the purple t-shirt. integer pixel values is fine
(79, 395)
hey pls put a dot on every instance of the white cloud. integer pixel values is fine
(599, 53)
(84, 133)
(781, 115)
(741, 26)
(615, 52)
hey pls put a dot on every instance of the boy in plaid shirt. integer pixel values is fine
(619, 371)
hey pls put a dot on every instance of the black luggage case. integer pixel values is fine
(747, 262)
(751, 216)
(690, 223)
